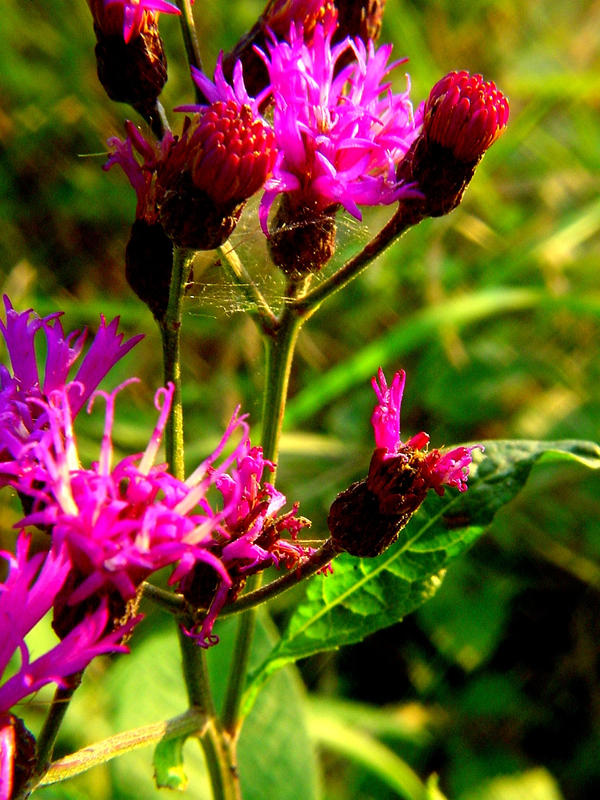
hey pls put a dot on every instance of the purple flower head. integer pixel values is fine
(250, 537)
(26, 595)
(367, 518)
(340, 133)
(118, 522)
(128, 17)
(22, 418)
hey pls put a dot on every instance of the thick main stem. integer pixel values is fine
(217, 751)
(170, 328)
(280, 353)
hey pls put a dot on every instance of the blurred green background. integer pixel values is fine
(494, 312)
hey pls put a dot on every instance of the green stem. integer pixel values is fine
(319, 559)
(190, 40)
(170, 328)
(280, 347)
(47, 738)
(217, 751)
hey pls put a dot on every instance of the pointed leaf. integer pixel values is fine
(364, 595)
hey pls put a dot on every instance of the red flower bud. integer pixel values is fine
(465, 114)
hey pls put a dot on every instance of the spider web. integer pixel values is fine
(213, 292)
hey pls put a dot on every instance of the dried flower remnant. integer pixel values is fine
(463, 117)
(130, 57)
(26, 595)
(250, 539)
(339, 139)
(367, 517)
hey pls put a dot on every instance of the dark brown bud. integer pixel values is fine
(302, 240)
(148, 265)
(360, 18)
(367, 518)
(133, 72)
(23, 755)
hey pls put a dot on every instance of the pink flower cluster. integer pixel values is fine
(337, 132)
(108, 526)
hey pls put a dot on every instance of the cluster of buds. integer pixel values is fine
(337, 137)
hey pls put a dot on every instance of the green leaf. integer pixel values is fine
(353, 742)
(147, 686)
(365, 595)
(168, 764)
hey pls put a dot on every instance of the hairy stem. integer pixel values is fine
(170, 328)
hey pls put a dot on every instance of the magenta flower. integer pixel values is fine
(340, 134)
(438, 469)
(367, 518)
(128, 17)
(121, 522)
(26, 596)
(22, 418)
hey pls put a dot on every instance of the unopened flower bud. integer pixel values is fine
(223, 156)
(130, 57)
(463, 116)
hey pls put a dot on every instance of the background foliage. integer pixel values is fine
(493, 311)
